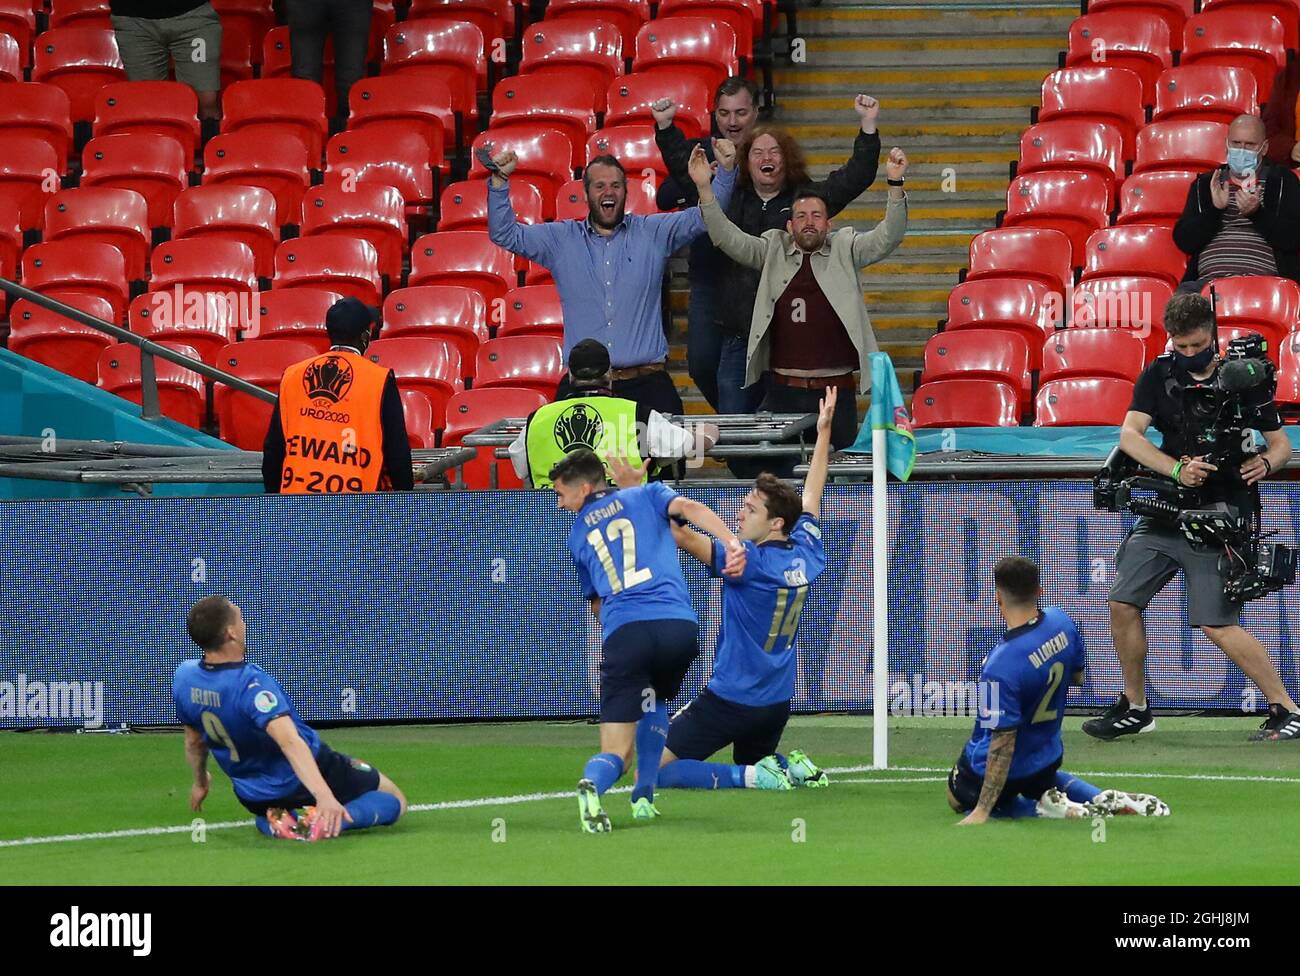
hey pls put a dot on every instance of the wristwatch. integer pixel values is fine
(894, 182)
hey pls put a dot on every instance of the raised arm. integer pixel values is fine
(816, 480)
(683, 227)
(882, 239)
(708, 520)
(742, 248)
(285, 734)
(675, 149)
(847, 183)
(536, 242)
(196, 754)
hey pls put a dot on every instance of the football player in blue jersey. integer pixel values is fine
(627, 564)
(276, 762)
(746, 702)
(1011, 766)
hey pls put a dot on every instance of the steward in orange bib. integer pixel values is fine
(340, 427)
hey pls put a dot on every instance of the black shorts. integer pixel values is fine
(346, 777)
(649, 656)
(966, 784)
(710, 723)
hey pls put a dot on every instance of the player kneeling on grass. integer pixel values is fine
(629, 570)
(1011, 767)
(276, 763)
(746, 703)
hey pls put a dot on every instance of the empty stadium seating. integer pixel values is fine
(206, 320)
(231, 212)
(412, 99)
(1096, 93)
(1288, 377)
(627, 15)
(157, 168)
(704, 48)
(1092, 352)
(1286, 11)
(1269, 306)
(41, 111)
(1156, 197)
(371, 211)
(630, 97)
(965, 403)
(210, 265)
(562, 102)
(1177, 145)
(579, 46)
(181, 393)
(1082, 401)
(275, 161)
(417, 408)
(1027, 308)
(1246, 37)
(1137, 249)
(1173, 12)
(149, 108)
(472, 410)
(390, 153)
(431, 366)
(106, 214)
(1123, 38)
(294, 313)
(448, 51)
(243, 419)
(58, 342)
(1072, 202)
(1205, 93)
(531, 361)
(348, 265)
(18, 21)
(464, 205)
(1075, 145)
(278, 105)
(65, 270)
(1022, 252)
(1133, 303)
(980, 354)
(453, 313)
(463, 257)
(81, 61)
(533, 310)
(26, 162)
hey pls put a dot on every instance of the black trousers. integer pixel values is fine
(310, 22)
(791, 399)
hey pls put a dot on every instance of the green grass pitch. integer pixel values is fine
(1229, 798)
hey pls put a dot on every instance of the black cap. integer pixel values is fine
(349, 319)
(588, 360)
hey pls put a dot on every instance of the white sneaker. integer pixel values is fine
(1113, 803)
(1055, 805)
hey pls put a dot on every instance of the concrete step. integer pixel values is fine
(876, 53)
(985, 153)
(913, 79)
(915, 22)
(926, 131)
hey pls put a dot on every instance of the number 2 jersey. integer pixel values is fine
(231, 704)
(623, 547)
(1023, 685)
(756, 661)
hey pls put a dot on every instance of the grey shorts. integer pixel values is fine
(191, 40)
(1151, 555)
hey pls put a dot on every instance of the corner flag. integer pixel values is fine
(887, 413)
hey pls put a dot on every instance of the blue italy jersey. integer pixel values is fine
(625, 554)
(756, 660)
(231, 705)
(1024, 682)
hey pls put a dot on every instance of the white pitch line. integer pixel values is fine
(1111, 774)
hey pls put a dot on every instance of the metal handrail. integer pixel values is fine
(149, 406)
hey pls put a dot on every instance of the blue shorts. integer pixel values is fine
(710, 723)
(346, 777)
(643, 664)
(966, 785)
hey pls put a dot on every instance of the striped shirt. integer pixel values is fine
(1238, 248)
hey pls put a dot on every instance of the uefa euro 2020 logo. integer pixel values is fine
(579, 426)
(329, 379)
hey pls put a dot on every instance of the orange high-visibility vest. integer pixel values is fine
(333, 436)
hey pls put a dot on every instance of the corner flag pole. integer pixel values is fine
(880, 607)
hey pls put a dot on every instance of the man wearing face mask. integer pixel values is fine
(1153, 553)
(1242, 218)
(339, 427)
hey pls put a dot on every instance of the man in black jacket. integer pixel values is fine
(1242, 218)
(722, 292)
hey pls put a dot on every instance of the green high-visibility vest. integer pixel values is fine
(604, 424)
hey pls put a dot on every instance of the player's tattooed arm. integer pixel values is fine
(196, 754)
(1002, 747)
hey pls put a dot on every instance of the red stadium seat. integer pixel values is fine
(26, 163)
(234, 213)
(296, 313)
(1098, 93)
(1132, 304)
(1022, 252)
(1269, 306)
(419, 416)
(431, 366)
(413, 100)
(241, 418)
(464, 205)
(237, 54)
(81, 13)
(1100, 401)
(453, 313)
(1288, 377)
(1286, 11)
(150, 108)
(571, 201)
(965, 403)
(588, 48)
(206, 320)
(81, 61)
(545, 157)
(632, 145)
(538, 274)
(18, 20)
(626, 15)
(1248, 38)
(736, 14)
(1074, 203)
(349, 265)
(1205, 93)
(254, 18)
(631, 96)
(108, 215)
(1173, 12)
(473, 410)
(1092, 352)
(463, 257)
(494, 18)
(40, 111)
(157, 168)
(562, 102)
(1138, 249)
(277, 105)
(698, 47)
(1156, 197)
(181, 392)
(533, 310)
(11, 248)
(1181, 145)
(11, 69)
(1020, 306)
(448, 51)
(392, 154)
(980, 354)
(66, 269)
(58, 342)
(209, 265)
(1077, 145)
(371, 211)
(1125, 39)
(534, 362)
(275, 161)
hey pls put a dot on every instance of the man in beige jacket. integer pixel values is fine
(810, 328)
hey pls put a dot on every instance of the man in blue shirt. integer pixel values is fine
(628, 567)
(275, 761)
(746, 703)
(609, 269)
(1011, 766)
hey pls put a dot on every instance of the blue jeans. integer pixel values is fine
(703, 340)
(733, 395)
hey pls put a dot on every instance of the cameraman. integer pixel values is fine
(1153, 552)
